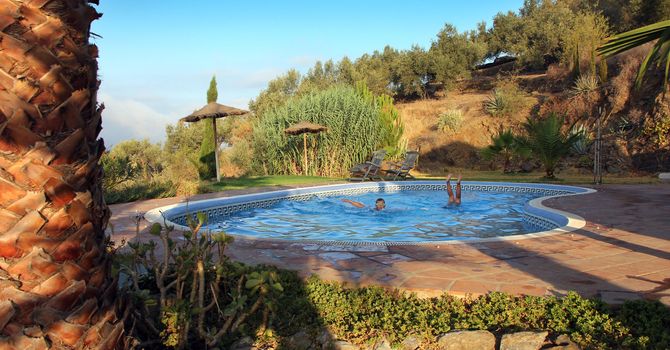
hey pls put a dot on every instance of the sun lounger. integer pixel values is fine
(368, 170)
(401, 171)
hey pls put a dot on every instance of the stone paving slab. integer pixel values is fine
(622, 253)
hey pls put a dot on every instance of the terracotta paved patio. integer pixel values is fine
(623, 252)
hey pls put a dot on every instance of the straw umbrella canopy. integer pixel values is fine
(213, 111)
(305, 128)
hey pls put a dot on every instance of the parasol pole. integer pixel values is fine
(216, 151)
(304, 146)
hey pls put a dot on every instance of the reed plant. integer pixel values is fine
(355, 130)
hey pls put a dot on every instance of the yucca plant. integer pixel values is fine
(545, 140)
(659, 54)
(584, 84)
(450, 120)
(504, 146)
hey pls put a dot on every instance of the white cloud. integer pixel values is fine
(125, 119)
(247, 79)
(304, 60)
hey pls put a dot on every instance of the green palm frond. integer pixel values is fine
(659, 54)
(545, 140)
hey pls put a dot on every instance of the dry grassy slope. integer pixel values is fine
(445, 148)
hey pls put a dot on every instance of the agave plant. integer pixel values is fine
(659, 54)
(581, 145)
(585, 84)
(545, 140)
(496, 103)
(503, 146)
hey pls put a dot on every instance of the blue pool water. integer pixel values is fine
(410, 216)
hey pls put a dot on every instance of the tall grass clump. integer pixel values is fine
(450, 120)
(355, 130)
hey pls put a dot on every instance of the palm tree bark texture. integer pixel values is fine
(55, 285)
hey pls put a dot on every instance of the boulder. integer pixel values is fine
(343, 345)
(523, 341)
(245, 343)
(563, 342)
(410, 343)
(325, 339)
(467, 340)
(382, 345)
(299, 341)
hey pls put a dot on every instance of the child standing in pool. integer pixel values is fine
(454, 200)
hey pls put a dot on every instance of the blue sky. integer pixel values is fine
(157, 57)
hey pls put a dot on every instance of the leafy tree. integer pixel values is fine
(588, 32)
(659, 53)
(144, 156)
(117, 170)
(537, 35)
(375, 71)
(389, 117)
(504, 146)
(278, 92)
(411, 72)
(184, 136)
(207, 167)
(454, 54)
(545, 140)
(346, 72)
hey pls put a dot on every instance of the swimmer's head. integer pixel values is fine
(380, 204)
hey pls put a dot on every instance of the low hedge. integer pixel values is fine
(361, 315)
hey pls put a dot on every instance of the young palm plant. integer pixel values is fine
(56, 289)
(659, 54)
(505, 147)
(545, 140)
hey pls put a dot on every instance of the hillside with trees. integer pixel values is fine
(453, 97)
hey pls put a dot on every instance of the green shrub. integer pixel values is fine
(450, 120)
(138, 190)
(504, 147)
(365, 314)
(117, 170)
(362, 315)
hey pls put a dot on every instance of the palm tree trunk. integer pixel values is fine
(55, 285)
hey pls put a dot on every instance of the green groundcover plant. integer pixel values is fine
(359, 315)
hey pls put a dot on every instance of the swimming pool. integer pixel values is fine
(416, 213)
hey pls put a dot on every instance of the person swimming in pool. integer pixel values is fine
(454, 200)
(380, 204)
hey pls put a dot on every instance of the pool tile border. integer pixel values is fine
(552, 221)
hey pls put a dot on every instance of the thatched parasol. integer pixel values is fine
(305, 128)
(213, 111)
